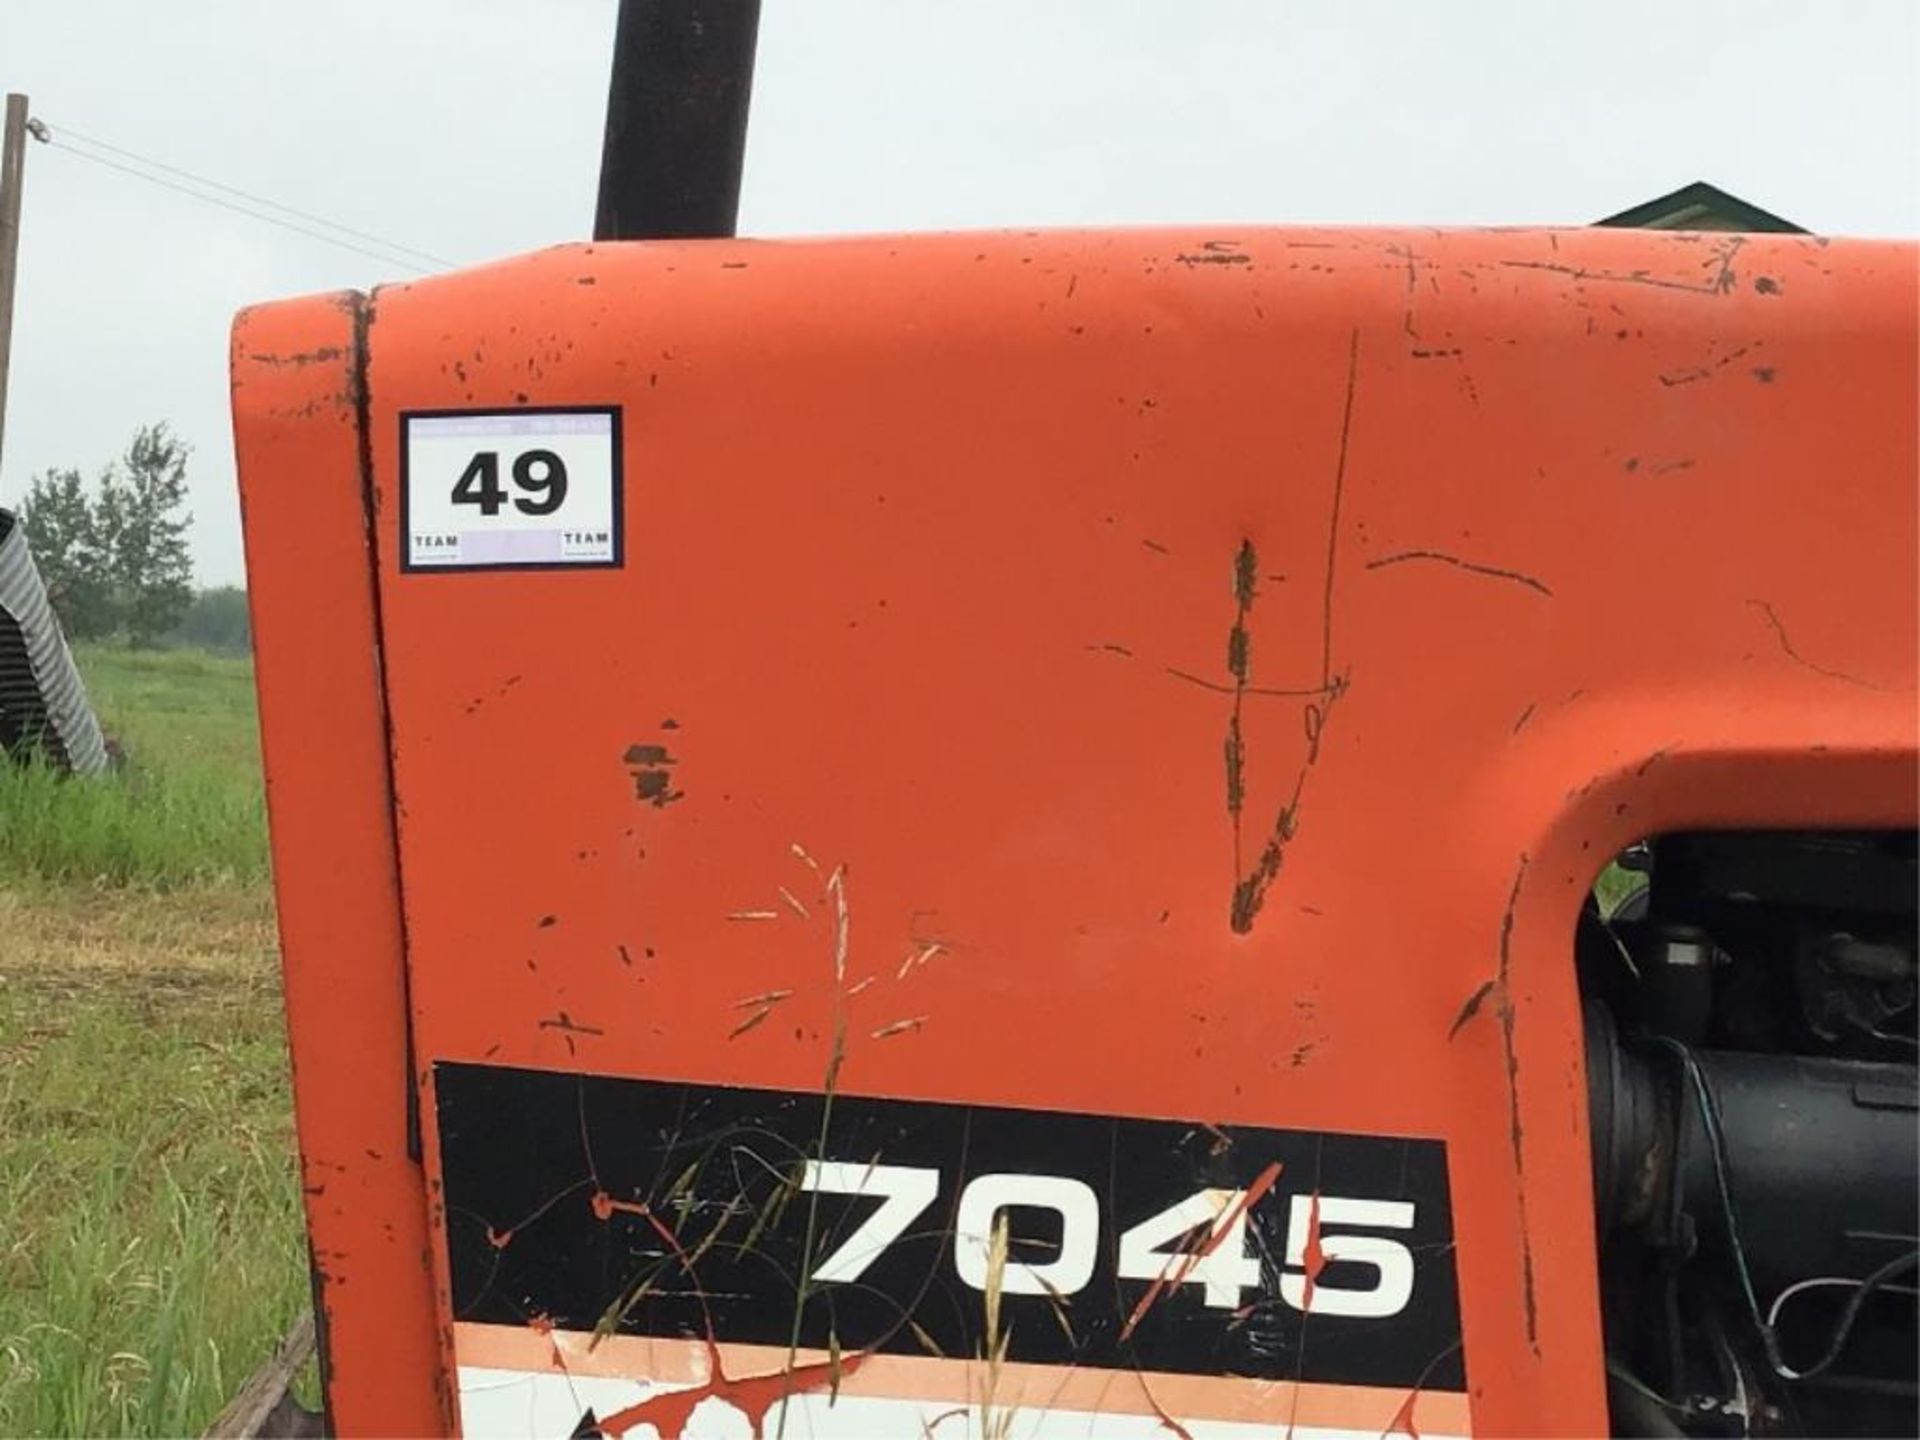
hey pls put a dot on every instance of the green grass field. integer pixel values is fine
(151, 1246)
(187, 809)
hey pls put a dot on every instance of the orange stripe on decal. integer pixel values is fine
(963, 1382)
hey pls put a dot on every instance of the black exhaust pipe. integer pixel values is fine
(676, 119)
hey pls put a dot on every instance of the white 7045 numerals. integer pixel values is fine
(1212, 1223)
(1219, 1261)
(904, 1192)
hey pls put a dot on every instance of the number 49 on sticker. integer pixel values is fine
(540, 473)
(527, 489)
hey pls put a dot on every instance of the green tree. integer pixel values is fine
(216, 620)
(141, 521)
(65, 541)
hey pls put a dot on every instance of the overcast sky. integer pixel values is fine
(470, 129)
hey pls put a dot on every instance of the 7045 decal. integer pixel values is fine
(660, 1209)
(1198, 1240)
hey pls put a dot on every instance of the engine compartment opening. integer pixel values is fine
(1750, 1028)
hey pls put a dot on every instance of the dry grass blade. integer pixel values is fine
(996, 1425)
(837, 887)
(681, 1190)
(1059, 1304)
(747, 1024)
(803, 1287)
(774, 1207)
(918, 958)
(766, 997)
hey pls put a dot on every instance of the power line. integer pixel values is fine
(68, 132)
(238, 209)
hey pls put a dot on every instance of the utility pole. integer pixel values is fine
(12, 166)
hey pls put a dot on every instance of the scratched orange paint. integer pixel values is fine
(936, 565)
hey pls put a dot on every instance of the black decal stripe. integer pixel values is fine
(572, 1197)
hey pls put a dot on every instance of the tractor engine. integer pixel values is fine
(1750, 1049)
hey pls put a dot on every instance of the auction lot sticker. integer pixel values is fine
(525, 489)
(627, 1258)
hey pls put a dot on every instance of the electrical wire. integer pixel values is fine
(1717, 1148)
(1826, 1282)
(239, 209)
(68, 132)
(164, 183)
(1633, 1382)
(1843, 1330)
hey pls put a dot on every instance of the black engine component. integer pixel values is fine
(1756, 1136)
(1820, 1155)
